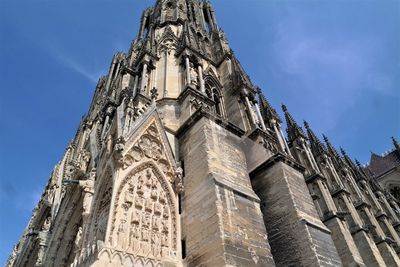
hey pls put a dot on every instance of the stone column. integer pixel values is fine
(202, 88)
(250, 111)
(278, 135)
(284, 140)
(144, 72)
(260, 118)
(165, 93)
(187, 65)
(135, 84)
(310, 156)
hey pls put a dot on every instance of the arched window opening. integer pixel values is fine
(207, 20)
(213, 93)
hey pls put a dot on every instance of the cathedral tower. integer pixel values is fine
(182, 161)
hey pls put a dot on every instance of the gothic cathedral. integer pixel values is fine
(181, 161)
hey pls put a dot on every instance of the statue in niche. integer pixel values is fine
(148, 175)
(154, 182)
(121, 234)
(162, 197)
(136, 216)
(156, 222)
(193, 75)
(155, 243)
(139, 201)
(87, 187)
(146, 220)
(166, 211)
(153, 194)
(129, 195)
(146, 80)
(140, 183)
(157, 208)
(164, 240)
(164, 227)
(46, 224)
(134, 237)
(164, 245)
(178, 181)
(148, 204)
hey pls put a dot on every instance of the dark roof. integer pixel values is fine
(381, 164)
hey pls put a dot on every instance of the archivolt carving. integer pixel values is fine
(144, 219)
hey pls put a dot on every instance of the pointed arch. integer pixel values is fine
(144, 221)
(214, 92)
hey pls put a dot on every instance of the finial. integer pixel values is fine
(343, 151)
(325, 138)
(357, 162)
(284, 108)
(306, 125)
(395, 143)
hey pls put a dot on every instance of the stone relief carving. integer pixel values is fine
(149, 146)
(144, 221)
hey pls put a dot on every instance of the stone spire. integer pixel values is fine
(316, 146)
(293, 129)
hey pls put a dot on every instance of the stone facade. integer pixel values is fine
(181, 161)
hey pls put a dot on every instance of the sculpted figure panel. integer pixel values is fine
(144, 220)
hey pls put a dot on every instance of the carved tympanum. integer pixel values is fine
(144, 221)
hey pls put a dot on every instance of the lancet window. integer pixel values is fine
(214, 94)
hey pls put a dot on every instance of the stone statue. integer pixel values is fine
(193, 75)
(87, 187)
(46, 224)
(178, 182)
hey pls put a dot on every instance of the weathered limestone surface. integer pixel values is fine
(221, 220)
(296, 234)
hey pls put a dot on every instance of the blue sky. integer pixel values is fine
(334, 63)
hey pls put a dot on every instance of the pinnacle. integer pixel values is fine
(293, 129)
(326, 139)
(395, 143)
(357, 163)
(267, 110)
(316, 145)
(343, 151)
